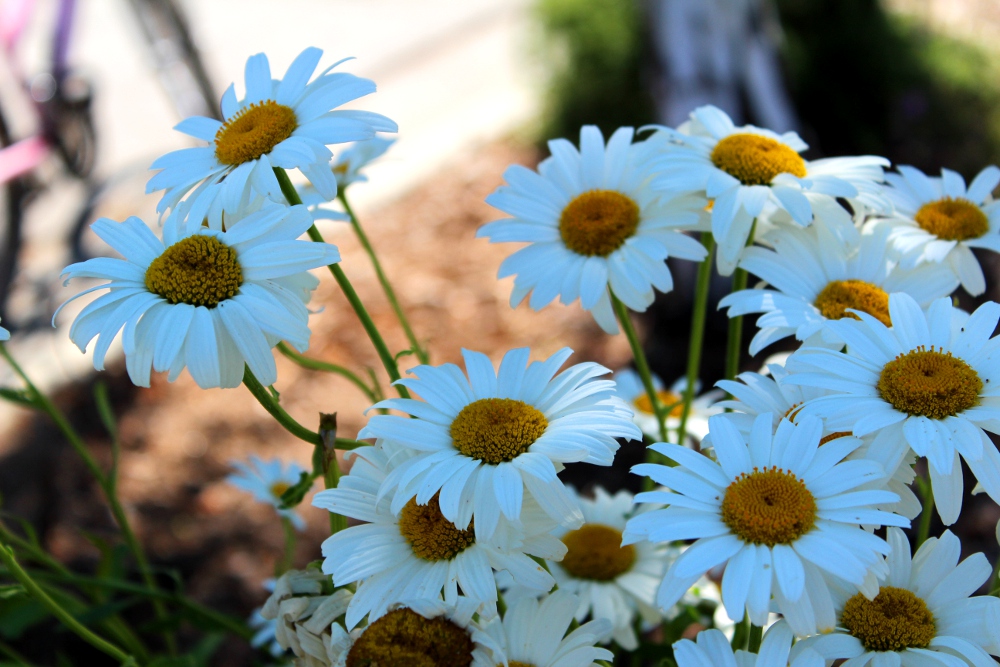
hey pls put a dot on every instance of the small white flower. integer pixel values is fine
(206, 300)
(593, 224)
(482, 442)
(922, 615)
(285, 123)
(748, 171)
(266, 481)
(346, 168)
(783, 513)
(930, 383)
(629, 387)
(534, 633)
(711, 648)
(939, 220)
(816, 278)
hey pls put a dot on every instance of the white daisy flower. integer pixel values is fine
(346, 168)
(711, 648)
(417, 552)
(783, 513)
(4, 334)
(266, 481)
(482, 442)
(925, 384)
(922, 616)
(629, 387)
(421, 633)
(593, 224)
(285, 123)
(939, 220)
(817, 279)
(533, 634)
(748, 171)
(206, 300)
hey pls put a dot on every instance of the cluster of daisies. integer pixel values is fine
(465, 547)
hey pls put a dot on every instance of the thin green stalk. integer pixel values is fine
(993, 584)
(288, 553)
(108, 487)
(390, 293)
(64, 617)
(927, 510)
(641, 365)
(741, 633)
(753, 641)
(697, 338)
(11, 653)
(331, 467)
(388, 360)
(317, 365)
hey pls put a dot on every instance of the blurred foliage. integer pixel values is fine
(862, 80)
(595, 50)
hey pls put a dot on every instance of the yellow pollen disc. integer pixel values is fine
(952, 219)
(839, 295)
(895, 620)
(404, 637)
(769, 507)
(431, 536)
(929, 383)
(199, 270)
(597, 222)
(254, 131)
(833, 436)
(593, 551)
(279, 488)
(754, 159)
(667, 398)
(495, 430)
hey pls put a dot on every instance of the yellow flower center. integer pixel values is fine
(769, 506)
(839, 295)
(431, 536)
(404, 637)
(495, 430)
(254, 131)
(278, 488)
(929, 383)
(597, 222)
(754, 159)
(952, 219)
(594, 551)
(895, 620)
(666, 398)
(199, 270)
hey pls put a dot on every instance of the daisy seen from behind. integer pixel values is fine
(923, 614)
(284, 123)
(747, 171)
(206, 300)
(416, 552)
(266, 481)
(939, 220)
(485, 441)
(930, 383)
(594, 225)
(815, 278)
(629, 387)
(780, 511)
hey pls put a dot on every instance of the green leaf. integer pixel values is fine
(274, 393)
(293, 496)
(19, 614)
(101, 612)
(18, 396)
(8, 591)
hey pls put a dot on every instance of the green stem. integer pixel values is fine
(331, 467)
(390, 293)
(9, 651)
(388, 361)
(641, 365)
(993, 585)
(753, 641)
(734, 347)
(927, 502)
(317, 365)
(288, 554)
(107, 484)
(64, 617)
(697, 339)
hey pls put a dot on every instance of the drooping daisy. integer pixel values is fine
(303, 608)
(629, 387)
(417, 552)
(922, 616)
(533, 634)
(266, 481)
(285, 123)
(779, 510)
(929, 383)
(593, 224)
(206, 300)
(817, 279)
(939, 220)
(481, 443)
(419, 633)
(711, 648)
(747, 171)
